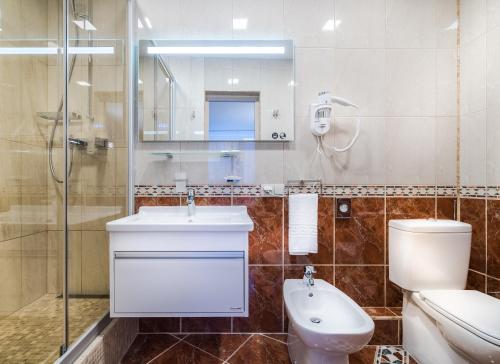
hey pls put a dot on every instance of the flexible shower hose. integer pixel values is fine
(59, 109)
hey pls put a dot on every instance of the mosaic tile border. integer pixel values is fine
(492, 192)
(324, 190)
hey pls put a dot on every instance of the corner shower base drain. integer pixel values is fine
(391, 355)
(315, 320)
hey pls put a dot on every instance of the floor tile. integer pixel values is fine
(183, 353)
(147, 346)
(219, 345)
(280, 337)
(33, 334)
(262, 350)
(364, 356)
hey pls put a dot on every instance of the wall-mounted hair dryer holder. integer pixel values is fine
(322, 119)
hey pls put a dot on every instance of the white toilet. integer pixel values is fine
(325, 325)
(442, 322)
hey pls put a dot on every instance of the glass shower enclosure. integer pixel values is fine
(64, 168)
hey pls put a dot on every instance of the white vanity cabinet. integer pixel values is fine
(164, 263)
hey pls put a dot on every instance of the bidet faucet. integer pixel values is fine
(190, 202)
(309, 275)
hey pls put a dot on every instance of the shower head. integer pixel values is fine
(54, 115)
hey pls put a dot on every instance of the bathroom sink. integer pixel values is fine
(176, 218)
(164, 262)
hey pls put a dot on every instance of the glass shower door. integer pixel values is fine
(96, 152)
(58, 107)
(31, 307)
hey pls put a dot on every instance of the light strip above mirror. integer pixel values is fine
(214, 50)
(268, 49)
(55, 50)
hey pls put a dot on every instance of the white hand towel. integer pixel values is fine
(303, 224)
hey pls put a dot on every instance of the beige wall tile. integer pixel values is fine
(34, 267)
(10, 196)
(10, 276)
(95, 262)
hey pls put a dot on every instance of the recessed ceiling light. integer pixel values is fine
(240, 23)
(83, 83)
(233, 81)
(331, 24)
(453, 26)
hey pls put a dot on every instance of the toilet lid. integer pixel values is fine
(473, 310)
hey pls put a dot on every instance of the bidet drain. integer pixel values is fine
(315, 320)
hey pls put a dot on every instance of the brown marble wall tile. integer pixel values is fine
(325, 236)
(494, 287)
(360, 239)
(206, 324)
(410, 208)
(265, 241)
(393, 293)
(265, 301)
(446, 208)
(159, 324)
(324, 272)
(168, 201)
(493, 238)
(145, 201)
(211, 201)
(380, 313)
(386, 333)
(476, 281)
(364, 284)
(472, 211)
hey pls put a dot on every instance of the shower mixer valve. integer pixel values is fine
(76, 142)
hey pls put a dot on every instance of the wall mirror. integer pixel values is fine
(216, 90)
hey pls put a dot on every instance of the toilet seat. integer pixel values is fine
(474, 311)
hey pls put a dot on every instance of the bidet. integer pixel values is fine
(325, 325)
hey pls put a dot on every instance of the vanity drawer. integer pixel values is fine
(179, 283)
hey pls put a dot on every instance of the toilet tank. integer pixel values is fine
(429, 254)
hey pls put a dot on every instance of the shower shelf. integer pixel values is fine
(216, 153)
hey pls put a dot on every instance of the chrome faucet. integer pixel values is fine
(308, 278)
(190, 202)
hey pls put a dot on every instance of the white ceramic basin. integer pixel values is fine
(175, 218)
